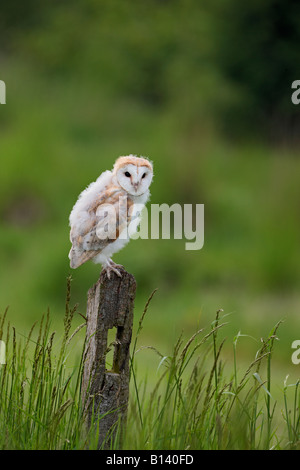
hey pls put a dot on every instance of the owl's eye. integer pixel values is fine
(127, 174)
(143, 176)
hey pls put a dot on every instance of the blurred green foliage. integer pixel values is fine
(234, 62)
(201, 88)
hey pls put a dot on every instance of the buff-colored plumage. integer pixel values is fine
(100, 218)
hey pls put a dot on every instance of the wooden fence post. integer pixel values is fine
(110, 304)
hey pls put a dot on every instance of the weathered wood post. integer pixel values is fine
(110, 304)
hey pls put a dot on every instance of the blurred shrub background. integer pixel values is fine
(201, 88)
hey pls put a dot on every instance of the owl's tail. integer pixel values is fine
(78, 257)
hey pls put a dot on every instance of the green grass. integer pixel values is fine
(193, 399)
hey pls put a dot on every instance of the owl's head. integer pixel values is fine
(134, 174)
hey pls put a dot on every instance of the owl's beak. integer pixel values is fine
(135, 185)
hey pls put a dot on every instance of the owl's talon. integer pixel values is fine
(118, 266)
(115, 270)
(113, 267)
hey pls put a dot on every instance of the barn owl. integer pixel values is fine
(103, 213)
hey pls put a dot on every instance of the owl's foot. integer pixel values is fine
(112, 267)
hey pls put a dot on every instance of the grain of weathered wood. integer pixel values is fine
(110, 305)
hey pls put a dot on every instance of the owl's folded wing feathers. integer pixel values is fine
(98, 224)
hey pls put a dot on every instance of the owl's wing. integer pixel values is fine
(98, 225)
